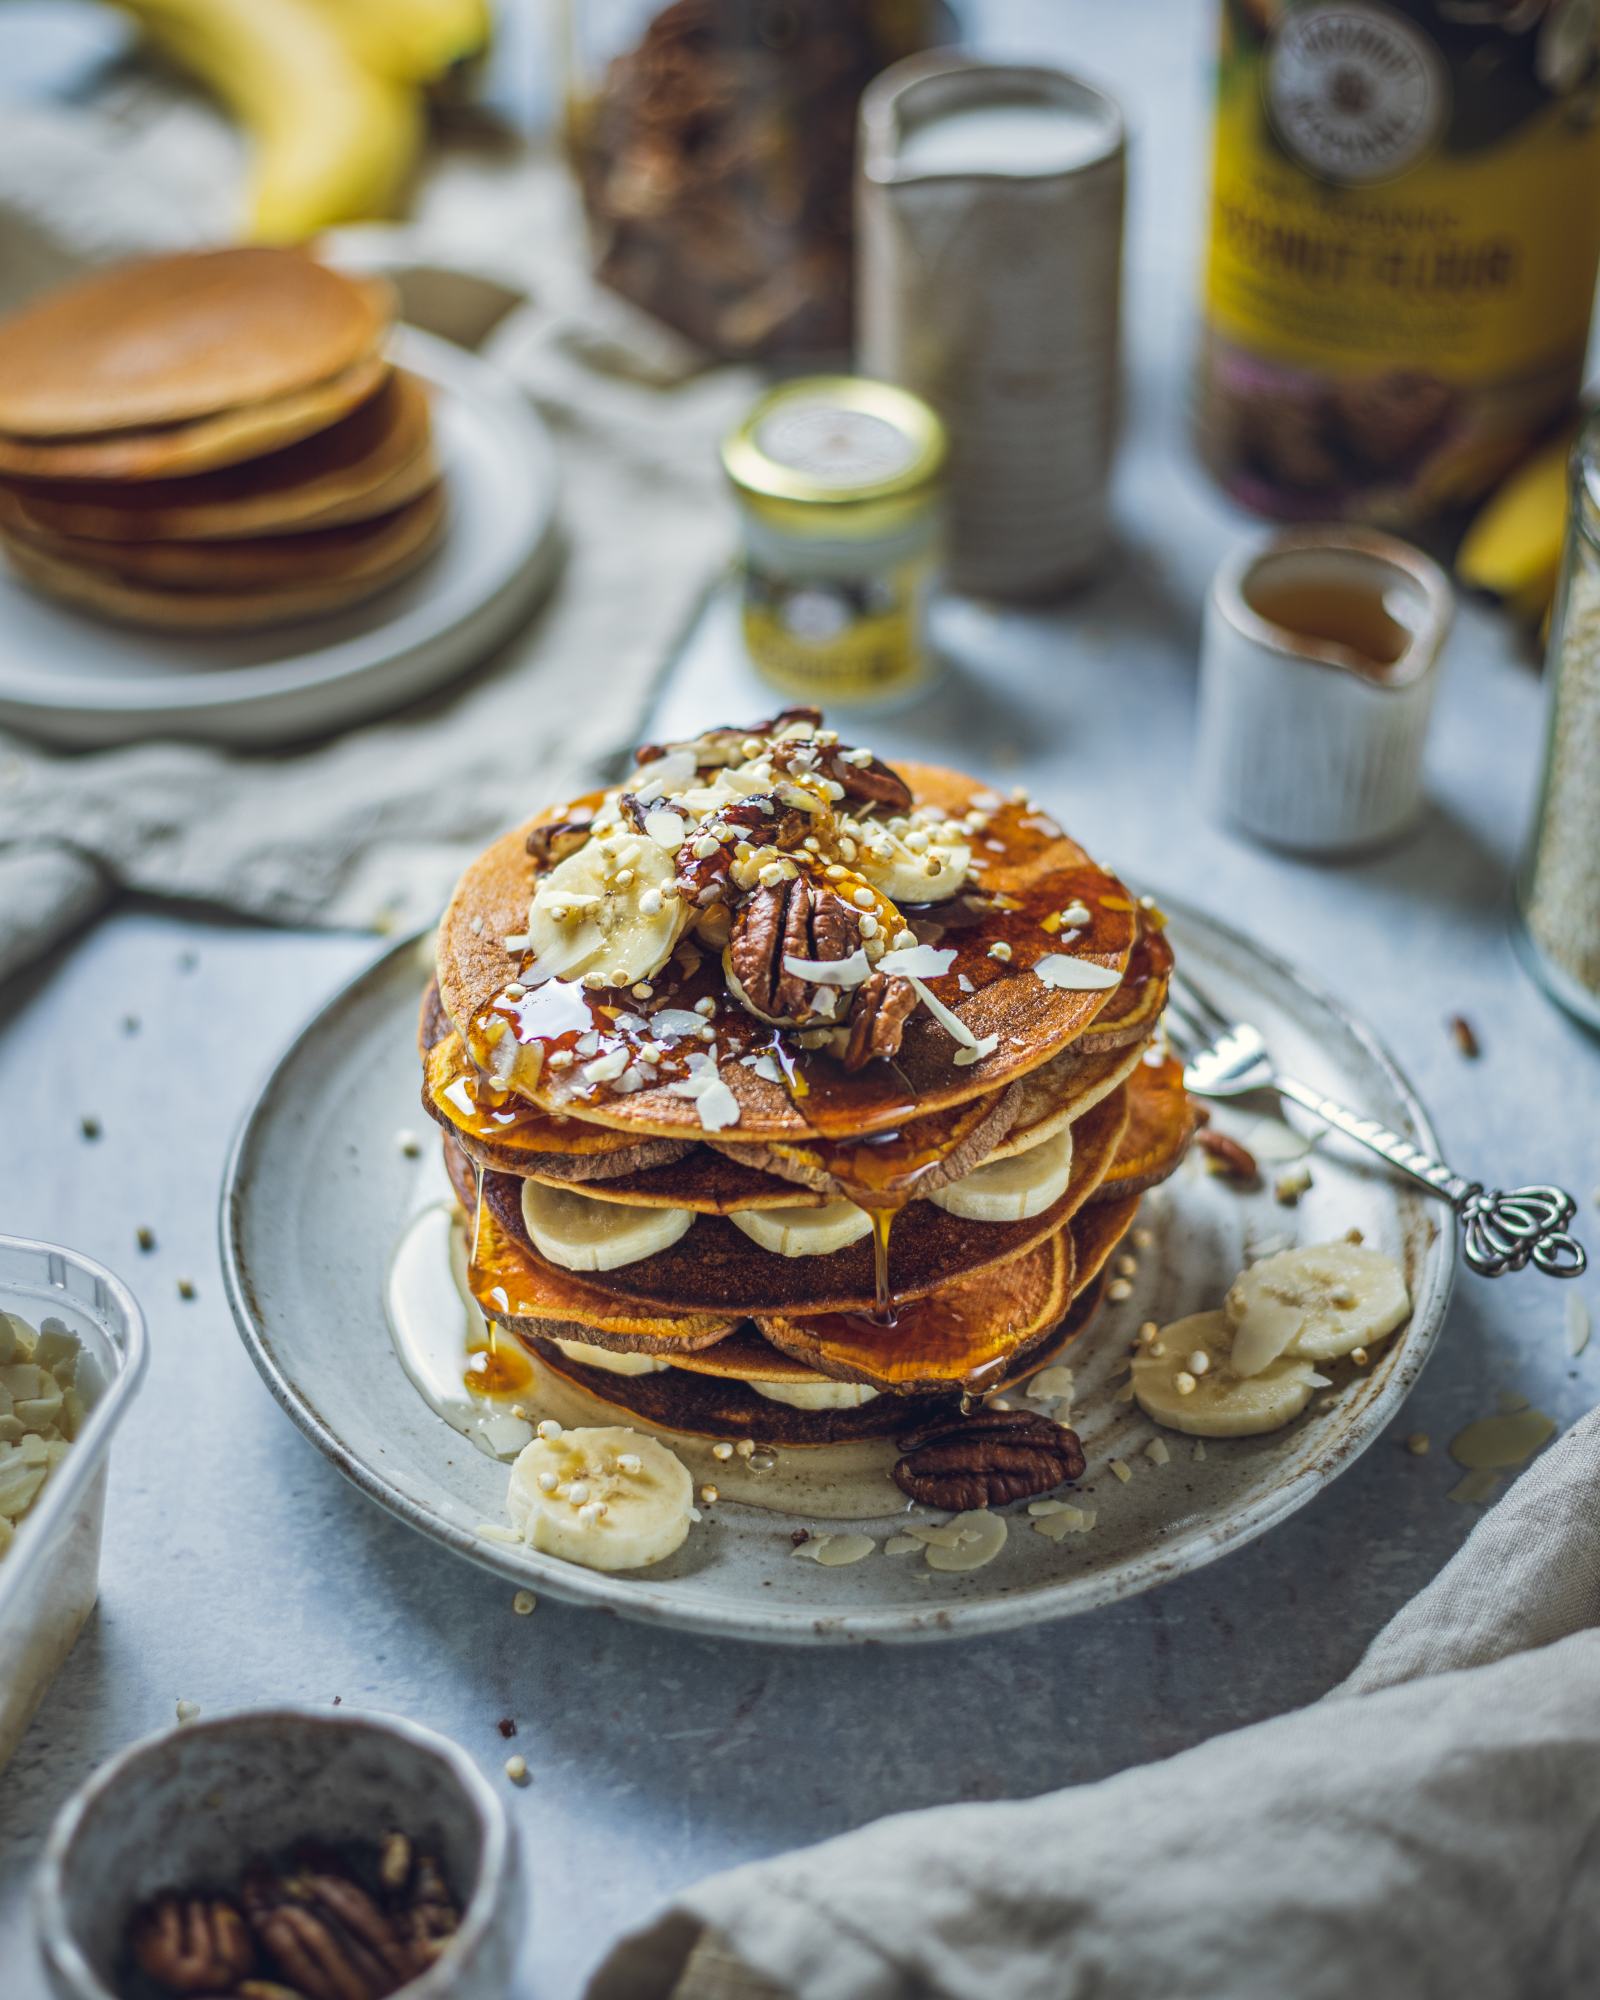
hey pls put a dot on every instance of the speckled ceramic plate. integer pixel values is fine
(318, 1189)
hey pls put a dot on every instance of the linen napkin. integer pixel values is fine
(370, 828)
(1430, 1828)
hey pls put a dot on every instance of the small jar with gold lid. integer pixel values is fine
(839, 484)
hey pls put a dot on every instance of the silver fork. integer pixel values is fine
(1500, 1231)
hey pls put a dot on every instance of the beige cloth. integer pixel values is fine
(371, 827)
(1431, 1828)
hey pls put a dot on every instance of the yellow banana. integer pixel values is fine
(1513, 547)
(413, 41)
(333, 141)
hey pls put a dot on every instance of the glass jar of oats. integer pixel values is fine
(1558, 893)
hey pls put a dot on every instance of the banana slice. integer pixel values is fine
(1210, 1400)
(608, 1498)
(611, 909)
(582, 1234)
(818, 1395)
(921, 874)
(804, 1232)
(611, 1358)
(1317, 1302)
(1013, 1189)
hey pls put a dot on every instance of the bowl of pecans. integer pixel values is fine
(282, 1854)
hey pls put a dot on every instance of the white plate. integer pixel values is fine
(83, 682)
(317, 1188)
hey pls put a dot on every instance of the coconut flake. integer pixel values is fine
(952, 1024)
(766, 1065)
(663, 774)
(717, 1107)
(1076, 975)
(605, 1067)
(985, 1046)
(674, 1023)
(849, 971)
(518, 941)
(919, 960)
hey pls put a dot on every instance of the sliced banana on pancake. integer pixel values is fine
(611, 909)
(1186, 1381)
(581, 1234)
(608, 1498)
(1318, 1301)
(614, 1360)
(923, 866)
(818, 1395)
(1013, 1189)
(804, 1232)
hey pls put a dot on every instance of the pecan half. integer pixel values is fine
(883, 1005)
(874, 783)
(724, 745)
(326, 1934)
(797, 919)
(987, 1459)
(192, 1944)
(553, 843)
(1225, 1156)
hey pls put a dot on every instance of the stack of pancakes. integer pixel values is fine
(999, 1149)
(213, 441)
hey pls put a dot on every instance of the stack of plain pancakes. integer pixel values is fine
(213, 441)
(794, 1097)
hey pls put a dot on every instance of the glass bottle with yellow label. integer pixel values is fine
(1405, 228)
(839, 484)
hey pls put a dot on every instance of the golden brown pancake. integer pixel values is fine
(166, 340)
(346, 554)
(962, 1337)
(712, 1406)
(1161, 1123)
(409, 539)
(367, 464)
(1032, 1021)
(715, 1268)
(223, 439)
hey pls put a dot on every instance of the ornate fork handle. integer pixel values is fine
(1500, 1231)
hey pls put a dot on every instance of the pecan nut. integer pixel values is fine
(987, 1459)
(883, 1005)
(555, 841)
(725, 744)
(795, 919)
(1225, 1156)
(326, 1935)
(192, 1944)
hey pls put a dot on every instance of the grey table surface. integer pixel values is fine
(240, 1568)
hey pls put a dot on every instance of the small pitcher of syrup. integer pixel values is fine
(1317, 675)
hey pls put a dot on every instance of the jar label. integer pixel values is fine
(839, 639)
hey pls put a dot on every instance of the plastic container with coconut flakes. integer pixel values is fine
(49, 1575)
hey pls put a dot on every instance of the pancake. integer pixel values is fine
(367, 464)
(1030, 1020)
(964, 1337)
(713, 1406)
(325, 555)
(715, 1268)
(408, 541)
(223, 439)
(166, 340)
(1161, 1123)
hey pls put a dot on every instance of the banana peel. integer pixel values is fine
(413, 41)
(334, 141)
(1513, 547)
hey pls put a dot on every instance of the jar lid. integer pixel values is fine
(827, 446)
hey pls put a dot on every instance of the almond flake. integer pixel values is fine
(851, 971)
(919, 960)
(1076, 975)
